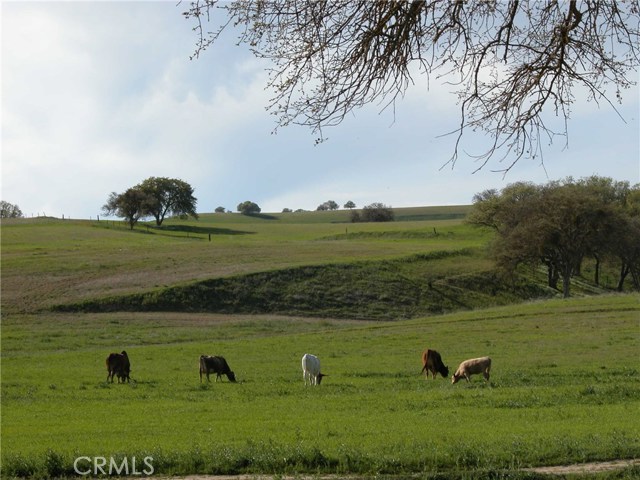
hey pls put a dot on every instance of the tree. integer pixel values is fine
(350, 205)
(9, 210)
(512, 64)
(248, 208)
(170, 196)
(559, 224)
(220, 210)
(328, 205)
(375, 212)
(626, 248)
(131, 205)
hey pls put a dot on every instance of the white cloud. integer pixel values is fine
(98, 96)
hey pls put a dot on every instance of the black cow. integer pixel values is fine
(118, 364)
(432, 362)
(217, 365)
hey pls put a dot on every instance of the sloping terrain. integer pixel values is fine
(308, 263)
(408, 287)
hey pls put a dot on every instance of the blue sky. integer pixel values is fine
(98, 96)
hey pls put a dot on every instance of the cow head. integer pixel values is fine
(231, 376)
(455, 378)
(319, 377)
(444, 371)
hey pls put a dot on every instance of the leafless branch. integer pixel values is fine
(515, 62)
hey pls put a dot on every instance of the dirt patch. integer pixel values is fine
(593, 467)
(581, 468)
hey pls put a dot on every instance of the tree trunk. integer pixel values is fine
(566, 281)
(566, 287)
(635, 275)
(597, 274)
(624, 271)
(552, 276)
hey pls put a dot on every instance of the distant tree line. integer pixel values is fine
(155, 197)
(375, 212)
(9, 210)
(560, 224)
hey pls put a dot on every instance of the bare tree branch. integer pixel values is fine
(515, 62)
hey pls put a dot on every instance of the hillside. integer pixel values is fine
(263, 290)
(311, 263)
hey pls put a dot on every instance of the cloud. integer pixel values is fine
(98, 96)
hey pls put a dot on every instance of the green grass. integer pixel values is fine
(48, 262)
(407, 287)
(564, 388)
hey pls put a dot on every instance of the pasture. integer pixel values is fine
(564, 388)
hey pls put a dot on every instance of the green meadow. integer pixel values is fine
(564, 387)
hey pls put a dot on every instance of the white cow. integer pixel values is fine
(311, 369)
(472, 367)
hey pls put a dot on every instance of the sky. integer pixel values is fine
(99, 96)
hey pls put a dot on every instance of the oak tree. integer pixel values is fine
(248, 208)
(169, 196)
(512, 65)
(559, 224)
(9, 210)
(132, 205)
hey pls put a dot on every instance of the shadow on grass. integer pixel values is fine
(262, 216)
(197, 230)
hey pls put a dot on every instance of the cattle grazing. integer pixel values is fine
(311, 369)
(432, 362)
(217, 365)
(118, 364)
(472, 367)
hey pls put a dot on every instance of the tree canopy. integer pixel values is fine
(170, 196)
(9, 210)
(328, 205)
(248, 208)
(374, 212)
(155, 197)
(512, 65)
(560, 224)
(131, 205)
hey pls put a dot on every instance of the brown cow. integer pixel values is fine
(217, 365)
(118, 364)
(432, 362)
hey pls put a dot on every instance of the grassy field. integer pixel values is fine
(565, 387)
(47, 262)
(565, 383)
